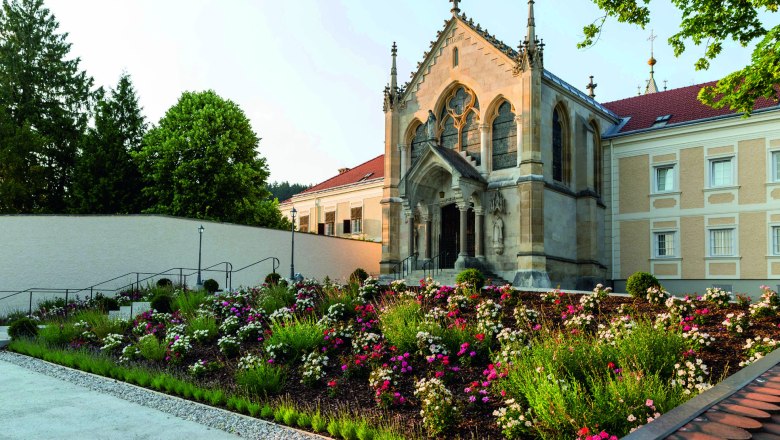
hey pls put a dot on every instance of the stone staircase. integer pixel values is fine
(446, 277)
(469, 159)
(127, 313)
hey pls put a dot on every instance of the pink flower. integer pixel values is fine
(648, 402)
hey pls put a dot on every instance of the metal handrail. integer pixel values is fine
(435, 269)
(401, 269)
(274, 265)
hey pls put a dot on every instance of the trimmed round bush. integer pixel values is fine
(472, 276)
(162, 302)
(211, 285)
(164, 282)
(106, 303)
(272, 279)
(358, 276)
(638, 283)
(23, 328)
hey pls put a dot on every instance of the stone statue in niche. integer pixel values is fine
(498, 235)
(497, 207)
(430, 126)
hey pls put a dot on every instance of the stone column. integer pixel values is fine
(463, 253)
(428, 238)
(478, 226)
(485, 163)
(519, 124)
(404, 159)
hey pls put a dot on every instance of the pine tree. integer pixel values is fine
(107, 180)
(45, 96)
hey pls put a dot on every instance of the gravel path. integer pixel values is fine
(214, 418)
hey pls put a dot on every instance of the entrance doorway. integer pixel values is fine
(449, 239)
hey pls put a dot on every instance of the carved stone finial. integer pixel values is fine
(455, 9)
(591, 88)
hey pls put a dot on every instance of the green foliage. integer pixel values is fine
(211, 285)
(274, 298)
(151, 348)
(638, 283)
(205, 138)
(106, 303)
(263, 380)
(23, 328)
(203, 322)
(188, 302)
(266, 412)
(304, 421)
(58, 333)
(358, 276)
(471, 276)
(165, 283)
(285, 190)
(318, 422)
(106, 179)
(272, 278)
(400, 321)
(99, 323)
(302, 336)
(162, 302)
(45, 99)
(711, 23)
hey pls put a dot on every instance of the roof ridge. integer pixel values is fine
(312, 188)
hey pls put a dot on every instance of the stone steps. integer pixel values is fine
(127, 313)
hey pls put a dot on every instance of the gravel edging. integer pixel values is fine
(216, 418)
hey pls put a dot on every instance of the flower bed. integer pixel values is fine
(441, 361)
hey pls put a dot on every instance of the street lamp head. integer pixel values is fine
(293, 212)
(201, 229)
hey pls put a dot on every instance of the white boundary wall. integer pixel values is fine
(43, 251)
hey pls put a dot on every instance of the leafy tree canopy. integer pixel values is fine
(284, 190)
(106, 180)
(201, 162)
(46, 96)
(711, 22)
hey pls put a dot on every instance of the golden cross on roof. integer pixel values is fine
(651, 39)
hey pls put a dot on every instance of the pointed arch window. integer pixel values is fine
(598, 166)
(418, 142)
(560, 147)
(504, 139)
(460, 122)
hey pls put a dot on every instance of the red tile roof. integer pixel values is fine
(371, 170)
(682, 104)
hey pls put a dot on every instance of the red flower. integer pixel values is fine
(583, 431)
(480, 336)
(611, 365)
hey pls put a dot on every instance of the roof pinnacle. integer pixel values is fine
(455, 9)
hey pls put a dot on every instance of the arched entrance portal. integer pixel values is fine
(449, 236)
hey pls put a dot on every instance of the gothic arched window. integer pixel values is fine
(418, 142)
(504, 138)
(460, 122)
(560, 147)
(598, 166)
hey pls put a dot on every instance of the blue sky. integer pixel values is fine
(309, 74)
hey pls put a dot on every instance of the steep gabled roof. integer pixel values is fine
(372, 170)
(670, 107)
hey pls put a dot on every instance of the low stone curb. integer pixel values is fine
(216, 418)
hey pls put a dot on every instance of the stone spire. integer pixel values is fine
(531, 35)
(455, 9)
(651, 87)
(394, 69)
(531, 51)
(392, 92)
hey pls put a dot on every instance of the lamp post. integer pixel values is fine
(200, 247)
(292, 245)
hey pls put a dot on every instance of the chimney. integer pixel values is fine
(343, 170)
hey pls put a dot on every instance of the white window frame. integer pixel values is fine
(656, 182)
(774, 240)
(710, 242)
(774, 163)
(711, 175)
(356, 225)
(656, 247)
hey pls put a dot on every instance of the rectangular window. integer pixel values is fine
(776, 240)
(721, 173)
(664, 178)
(664, 244)
(776, 166)
(330, 223)
(303, 225)
(721, 242)
(356, 220)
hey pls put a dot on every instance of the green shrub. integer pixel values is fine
(204, 322)
(318, 423)
(273, 298)
(302, 336)
(263, 380)
(272, 279)
(162, 302)
(106, 303)
(165, 283)
(211, 285)
(471, 276)
(267, 412)
(58, 334)
(304, 421)
(151, 348)
(23, 328)
(99, 323)
(188, 302)
(638, 283)
(400, 321)
(358, 276)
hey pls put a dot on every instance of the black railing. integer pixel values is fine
(182, 273)
(404, 267)
(432, 267)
